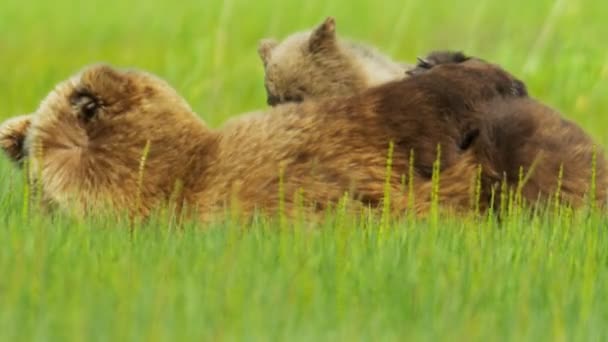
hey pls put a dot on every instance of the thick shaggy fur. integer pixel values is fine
(127, 140)
(529, 147)
(319, 64)
(523, 136)
(12, 137)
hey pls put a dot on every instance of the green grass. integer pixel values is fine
(528, 277)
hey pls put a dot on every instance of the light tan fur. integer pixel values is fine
(318, 63)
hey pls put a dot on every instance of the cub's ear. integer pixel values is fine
(324, 36)
(446, 57)
(12, 137)
(265, 47)
(436, 58)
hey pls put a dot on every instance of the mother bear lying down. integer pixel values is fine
(124, 139)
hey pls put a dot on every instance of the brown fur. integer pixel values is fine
(520, 133)
(319, 64)
(12, 137)
(87, 138)
(524, 133)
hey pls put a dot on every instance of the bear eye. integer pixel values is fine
(86, 104)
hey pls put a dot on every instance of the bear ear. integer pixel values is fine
(324, 36)
(265, 47)
(12, 137)
(106, 82)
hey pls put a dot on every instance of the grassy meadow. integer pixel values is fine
(531, 276)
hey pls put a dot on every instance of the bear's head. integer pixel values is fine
(107, 137)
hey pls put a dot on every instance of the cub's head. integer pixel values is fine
(308, 64)
(105, 136)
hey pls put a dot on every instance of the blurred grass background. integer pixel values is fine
(207, 49)
(528, 278)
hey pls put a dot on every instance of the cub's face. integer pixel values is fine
(85, 142)
(308, 65)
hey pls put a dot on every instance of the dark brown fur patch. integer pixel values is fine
(520, 135)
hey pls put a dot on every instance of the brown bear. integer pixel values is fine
(318, 63)
(124, 139)
(518, 137)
